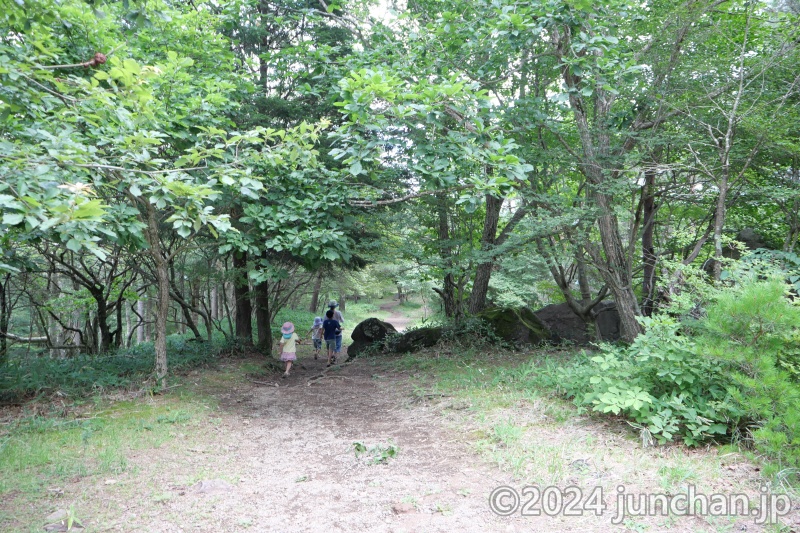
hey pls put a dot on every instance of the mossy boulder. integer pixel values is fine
(368, 333)
(567, 327)
(413, 340)
(516, 325)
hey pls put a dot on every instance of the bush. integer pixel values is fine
(661, 382)
(730, 375)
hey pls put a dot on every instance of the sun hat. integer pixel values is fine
(317, 321)
(333, 303)
(288, 328)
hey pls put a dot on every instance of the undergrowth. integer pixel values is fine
(25, 377)
(729, 376)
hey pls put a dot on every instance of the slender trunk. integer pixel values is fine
(263, 323)
(448, 290)
(616, 270)
(128, 326)
(118, 331)
(719, 223)
(194, 288)
(104, 341)
(583, 279)
(483, 273)
(226, 297)
(315, 294)
(342, 302)
(244, 309)
(162, 296)
(148, 325)
(4, 318)
(214, 302)
(648, 248)
(140, 331)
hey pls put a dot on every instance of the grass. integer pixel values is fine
(98, 441)
(38, 451)
(515, 420)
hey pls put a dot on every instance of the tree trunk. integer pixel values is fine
(314, 306)
(483, 273)
(140, 330)
(342, 302)
(448, 290)
(244, 309)
(263, 323)
(719, 223)
(4, 318)
(214, 302)
(615, 270)
(648, 248)
(162, 296)
(118, 331)
(583, 278)
(128, 326)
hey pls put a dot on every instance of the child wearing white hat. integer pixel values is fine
(316, 335)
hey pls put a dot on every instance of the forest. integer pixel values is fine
(180, 177)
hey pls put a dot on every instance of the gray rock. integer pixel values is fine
(368, 333)
(518, 326)
(413, 340)
(565, 326)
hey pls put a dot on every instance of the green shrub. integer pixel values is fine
(660, 381)
(731, 375)
(726, 376)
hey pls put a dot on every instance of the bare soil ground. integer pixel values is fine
(279, 455)
(399, 320)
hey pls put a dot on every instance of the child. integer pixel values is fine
(316, 335)
(331, 329)
(287, 346)
(337, 316)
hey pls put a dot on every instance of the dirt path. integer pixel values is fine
(288, 448)
(279, 455)
(397, 319)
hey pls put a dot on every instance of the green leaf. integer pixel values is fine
(12, 219)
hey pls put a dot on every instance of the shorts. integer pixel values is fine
(317, 343)
(330, 343)
(289, 356)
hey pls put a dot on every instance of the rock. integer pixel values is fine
(751, 239)
(519, 326)
(367, 333)
(209, 486)
(566, 326)
(413, 340)
(607, 321)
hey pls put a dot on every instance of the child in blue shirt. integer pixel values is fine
(331, 328)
